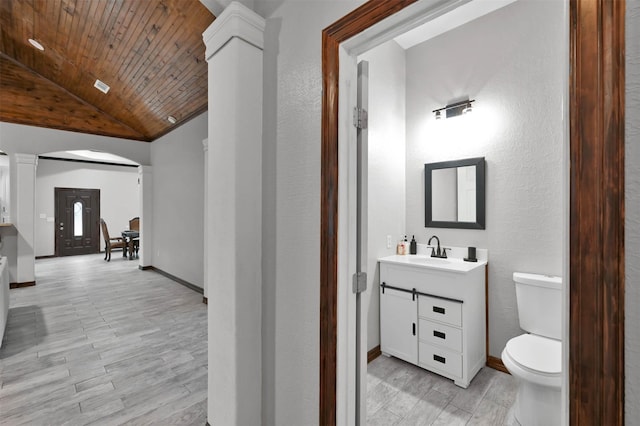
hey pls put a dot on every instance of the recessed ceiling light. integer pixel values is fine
(35, 44)
(172, 119)
(101, 86)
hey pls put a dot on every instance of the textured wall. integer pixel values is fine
(510, 61)
(178, 201)
(291, 205)
(386, 169)
(17, 138)
(118, 196)
(632, 225)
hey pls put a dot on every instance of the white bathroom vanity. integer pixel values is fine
(432, 313)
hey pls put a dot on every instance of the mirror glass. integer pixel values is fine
(454, 194)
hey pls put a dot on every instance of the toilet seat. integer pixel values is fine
(534, 358)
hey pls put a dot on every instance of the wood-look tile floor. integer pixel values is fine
(98, 342)
(399, 393)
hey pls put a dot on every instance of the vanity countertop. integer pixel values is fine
(451, 264)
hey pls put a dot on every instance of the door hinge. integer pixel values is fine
(360, 118)
(359, 282)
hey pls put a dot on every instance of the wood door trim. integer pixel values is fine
(597, 89)
(596, 370)
(350, 25)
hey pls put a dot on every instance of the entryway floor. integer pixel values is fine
(105, 343)
(399, 393)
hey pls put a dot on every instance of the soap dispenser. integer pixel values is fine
(413, 247)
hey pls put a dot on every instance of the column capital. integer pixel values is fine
(144, 170)
(239, 21)
(30, 159)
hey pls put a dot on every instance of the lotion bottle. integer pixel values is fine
(400, 247)
(413, 247)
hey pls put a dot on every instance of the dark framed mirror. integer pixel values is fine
(455, 194)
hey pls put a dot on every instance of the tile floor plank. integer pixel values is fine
(399, 393)
(98, 342)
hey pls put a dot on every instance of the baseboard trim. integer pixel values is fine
(373, 354)
(174, 278)
(50, 256)
(497, 364)
(205, 300)
(22, 285)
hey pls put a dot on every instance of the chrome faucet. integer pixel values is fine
(437, 252)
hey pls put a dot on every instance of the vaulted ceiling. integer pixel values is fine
(150, 53)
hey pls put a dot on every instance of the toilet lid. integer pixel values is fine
(536, 353)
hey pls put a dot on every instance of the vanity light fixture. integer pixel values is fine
(172, 119)
(455, 109)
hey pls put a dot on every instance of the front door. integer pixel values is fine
(77, 221)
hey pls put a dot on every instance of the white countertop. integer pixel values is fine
(451, 264)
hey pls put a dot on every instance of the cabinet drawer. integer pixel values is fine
(445, 311)
(439, 334)
(439, 359)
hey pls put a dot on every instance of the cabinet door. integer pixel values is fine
(399, 325)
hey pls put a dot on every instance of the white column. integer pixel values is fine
(23, 216)
(234, 52)
(145, 191)
(205, 147)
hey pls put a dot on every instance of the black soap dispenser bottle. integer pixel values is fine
(413, 246)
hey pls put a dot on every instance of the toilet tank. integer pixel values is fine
(539, 304)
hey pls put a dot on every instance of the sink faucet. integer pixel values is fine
(441, 253)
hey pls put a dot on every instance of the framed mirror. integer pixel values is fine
(455, 194)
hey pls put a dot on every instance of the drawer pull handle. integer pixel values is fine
(440, 359)
(438, 310)
(439, 334)
(414, 328)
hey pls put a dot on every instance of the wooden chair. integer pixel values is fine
(134, 225)
(111, 243)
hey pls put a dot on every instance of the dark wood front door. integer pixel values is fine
(77, 221)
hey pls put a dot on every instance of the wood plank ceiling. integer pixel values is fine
(150, 52)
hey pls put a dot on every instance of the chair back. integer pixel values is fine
(105, 231)
(134, 224)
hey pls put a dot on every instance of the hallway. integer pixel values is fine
(103, 342)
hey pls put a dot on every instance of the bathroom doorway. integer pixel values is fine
(334, 270)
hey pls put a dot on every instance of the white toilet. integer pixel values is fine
(535, 358)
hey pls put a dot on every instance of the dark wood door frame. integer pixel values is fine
(597, 85)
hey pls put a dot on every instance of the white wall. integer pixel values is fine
(386, 172)
(291, 205)
(118, 187)
(510, 61)
(632, 225)
(18, 138)
(178, 201)
(4, 188)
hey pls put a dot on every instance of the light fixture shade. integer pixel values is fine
(454, 109)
